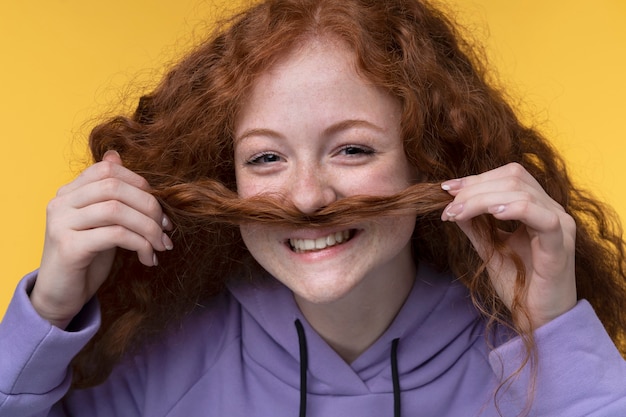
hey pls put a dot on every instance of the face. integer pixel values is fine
(315, 131)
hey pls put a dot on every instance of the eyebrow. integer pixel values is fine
(350, 124)
(330, 130)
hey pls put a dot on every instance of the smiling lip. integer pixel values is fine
(311, 245)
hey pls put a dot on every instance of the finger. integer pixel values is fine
(112, 156)
(106, 203)
(105, 238)
(77, 250)
(105, 169)
(127, 239)
(472, 188)
(517, 174)
(114, 189)
(492, 183)
(529, 204)
(113, 212)
(489, 194)
(547, 222)
(550, 230)
(502, 185)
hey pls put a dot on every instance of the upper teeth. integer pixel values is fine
(300, 245)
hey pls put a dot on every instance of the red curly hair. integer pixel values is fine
(454, 124)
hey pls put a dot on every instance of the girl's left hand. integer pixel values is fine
(544, 241)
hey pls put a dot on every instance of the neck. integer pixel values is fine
(353, 323)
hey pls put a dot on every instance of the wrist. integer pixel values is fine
(54, 316)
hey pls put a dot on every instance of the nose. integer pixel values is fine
(311, 189)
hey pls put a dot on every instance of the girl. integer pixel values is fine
(322, 210)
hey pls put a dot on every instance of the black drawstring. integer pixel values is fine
(304, 359)
(395, 377)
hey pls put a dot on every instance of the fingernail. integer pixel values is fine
(155, 261)
(454, 209)
(451, 185)
(167, 242)
(166, 223)
(497, 209)
(111, 152)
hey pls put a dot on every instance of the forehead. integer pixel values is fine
(318, 78)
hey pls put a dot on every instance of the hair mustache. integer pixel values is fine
(207, 202)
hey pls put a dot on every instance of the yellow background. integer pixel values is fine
(65, 62)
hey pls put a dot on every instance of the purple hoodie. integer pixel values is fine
(244, 355)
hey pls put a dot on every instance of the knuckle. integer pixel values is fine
(553, 222)
(60, 236)
(104, 169)
(524, 207)
(513, 183)
(53, 206)
(66, 246)
(143, 183)
(110, 186)
(569, 224)
(55, 233)
(149, 230)
(152, 206)
(155, 230)
(117, 233)
(146, 247)
(516, 170)
(527, 197)
(62, 190)
(111, 209)
(470, 179)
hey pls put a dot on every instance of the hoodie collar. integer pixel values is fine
(436, 325)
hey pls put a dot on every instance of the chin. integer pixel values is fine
(323, 292)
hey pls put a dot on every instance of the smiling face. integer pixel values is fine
(315, 131)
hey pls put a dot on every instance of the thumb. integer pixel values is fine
(112, 156)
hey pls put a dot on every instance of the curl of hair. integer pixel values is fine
(453, 124)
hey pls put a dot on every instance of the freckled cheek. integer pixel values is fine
(382, 183)
(243, 191)
(254, 238)
(247, 186)
(250, 185)
(398, 232)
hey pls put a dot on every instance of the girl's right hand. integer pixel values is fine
(106, 207)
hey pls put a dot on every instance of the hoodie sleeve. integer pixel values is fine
(580, 372)
(35, 356)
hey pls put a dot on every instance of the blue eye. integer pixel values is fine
(264, 158)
